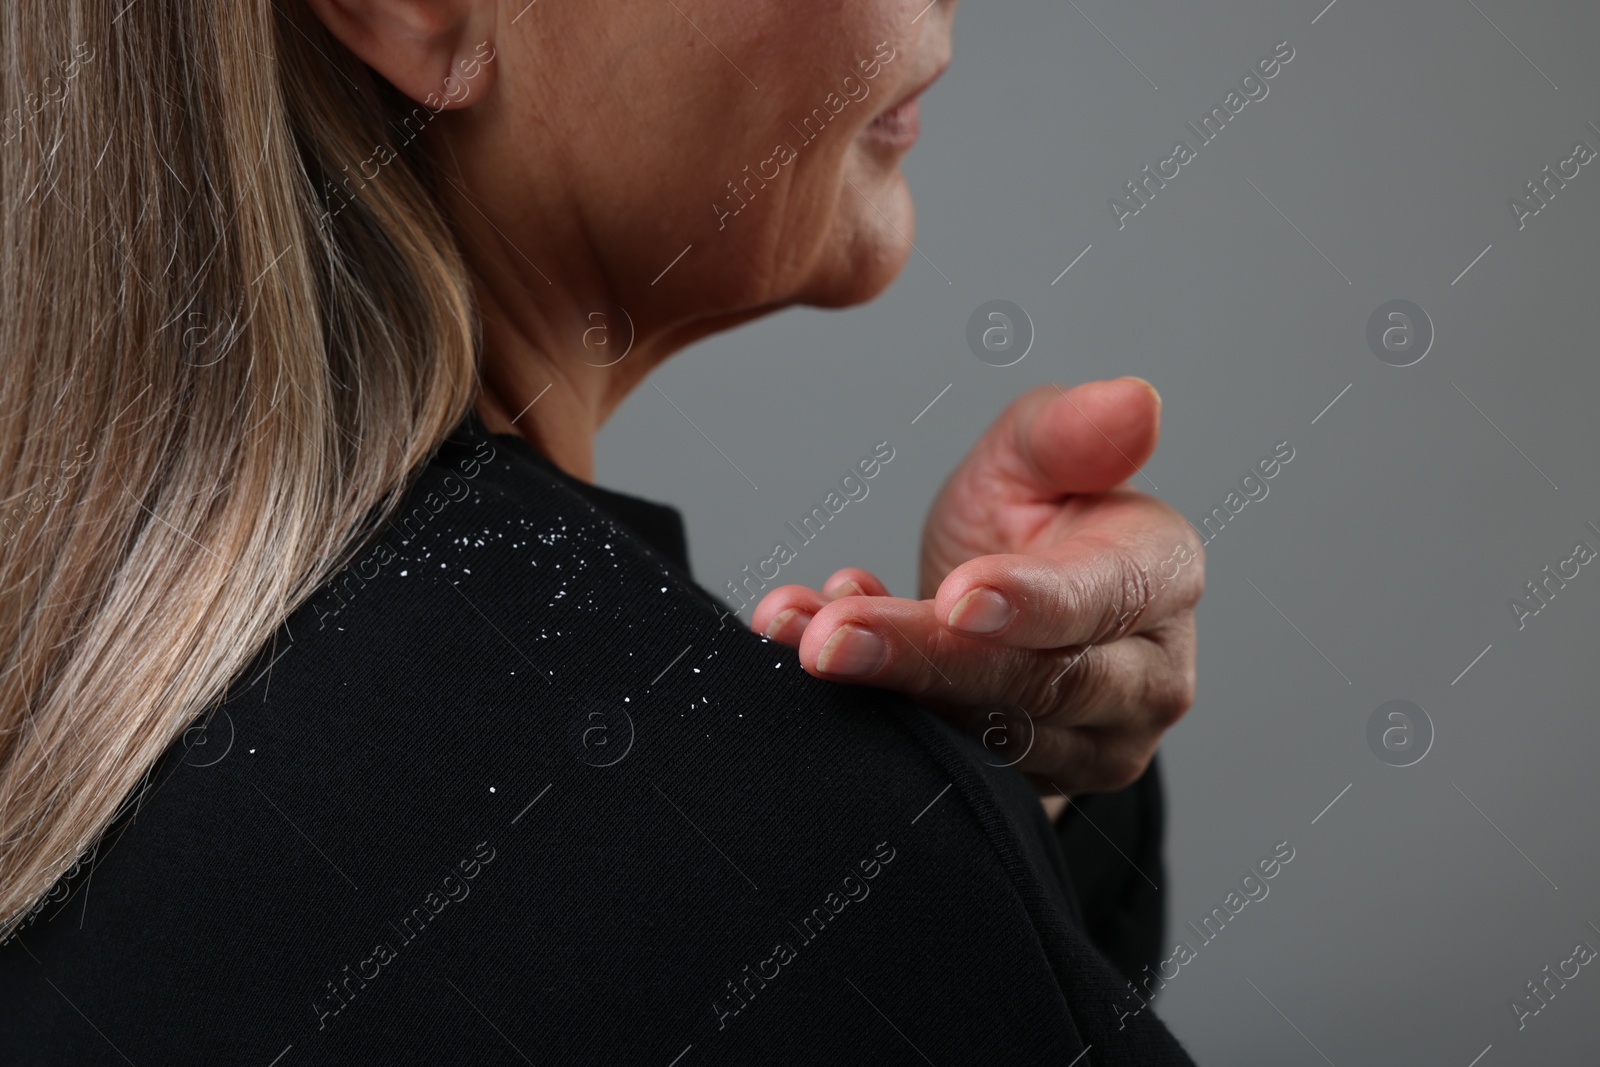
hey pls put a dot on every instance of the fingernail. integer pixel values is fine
(787, 627)
(982, 611)
(1153, 390)
(852, 651)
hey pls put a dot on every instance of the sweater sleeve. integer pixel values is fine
(1114, 846)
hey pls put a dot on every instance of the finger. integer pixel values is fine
(1140, 684)
(893, 643)
(1052, 442)
(1092, 437)
(897, 644)
(783, 614)
(1064, 762)
(1107, 750)
(853, 581)
(1136, 563)
(1090, 760)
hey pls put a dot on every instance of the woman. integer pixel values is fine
(345, 722)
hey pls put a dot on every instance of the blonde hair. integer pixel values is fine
(215, 384)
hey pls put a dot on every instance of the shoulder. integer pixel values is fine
(510, 764)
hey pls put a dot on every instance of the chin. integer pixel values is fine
(867, 253)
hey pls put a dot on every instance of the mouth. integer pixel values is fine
(899, 125)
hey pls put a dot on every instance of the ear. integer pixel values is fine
(437, 52)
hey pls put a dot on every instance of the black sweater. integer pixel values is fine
(512, 789)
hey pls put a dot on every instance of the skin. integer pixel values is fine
(585, 154)
(1047, 584)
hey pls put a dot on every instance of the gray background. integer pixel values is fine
(1407, 920)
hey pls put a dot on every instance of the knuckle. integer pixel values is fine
(1114, 595)
(1063, 688)
(1131, 767)
(1122, 764)
(1190, 537)
(1170, 695)
(1184, 567)
(1123, 773)
(1198, 582)
(1178, 700)
(1134, 594)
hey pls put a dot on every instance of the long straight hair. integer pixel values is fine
(221, 370)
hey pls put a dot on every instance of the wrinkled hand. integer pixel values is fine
(1051, 590)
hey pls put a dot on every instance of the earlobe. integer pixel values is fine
(437, 52)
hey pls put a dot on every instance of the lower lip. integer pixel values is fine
(898, 127)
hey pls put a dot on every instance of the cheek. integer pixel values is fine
(696, 164)
(827, 231)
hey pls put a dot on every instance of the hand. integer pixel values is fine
(1048, 585)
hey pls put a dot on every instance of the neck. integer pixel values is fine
(559, 357)
(550, 391)
(551, 333)
(545, 383)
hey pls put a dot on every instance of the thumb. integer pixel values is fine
(1052, 442)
